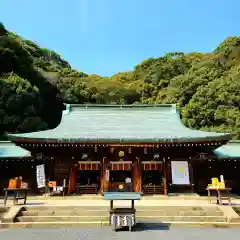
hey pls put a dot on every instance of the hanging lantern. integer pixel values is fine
(95, 148)
(145, 150)
(39, 156)
(129, 150)
(112, 150)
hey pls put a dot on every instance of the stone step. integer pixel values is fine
(65, 208)
(147, 208)
(61, 218)
(52, 225)
(178, 208)
(65, 213)
(182, 218)
(142, 212)
(180, 213)
(97, 224)
(235, 220)
(237, 210)
(3, 209)
(105, 218)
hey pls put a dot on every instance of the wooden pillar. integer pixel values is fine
(191, 176)
(104, 180)
(72, 179)
(102, 176)
(165, 174)
(134, 175)
(137, 175)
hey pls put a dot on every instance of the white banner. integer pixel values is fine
(180, 173)
(41, 180)
(107, 177)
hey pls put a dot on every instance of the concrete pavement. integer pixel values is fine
(152, 231)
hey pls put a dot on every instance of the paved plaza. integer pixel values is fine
(106, 233)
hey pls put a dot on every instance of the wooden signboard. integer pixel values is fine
(52, 184)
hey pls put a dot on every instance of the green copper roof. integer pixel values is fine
(121, 124)
(10, 150)
(230, 150)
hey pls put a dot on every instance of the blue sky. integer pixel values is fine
(108, 36)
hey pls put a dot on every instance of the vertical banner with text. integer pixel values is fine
(41, 179)
(107, 176)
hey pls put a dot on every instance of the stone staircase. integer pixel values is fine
(170, 214)
(55, 216)
(3, 210)
(237, 209)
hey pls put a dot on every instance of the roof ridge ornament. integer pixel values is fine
(174, 108)
(68, 109)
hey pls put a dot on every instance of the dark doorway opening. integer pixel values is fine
(88, 177)
(152, 177)
(117, 181)
(153, 182)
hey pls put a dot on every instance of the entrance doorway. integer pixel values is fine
(153, 178)
(88, 178)
(118, 174)
(117, 181)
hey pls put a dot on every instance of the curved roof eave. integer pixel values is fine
(170, 140)
(229, 150)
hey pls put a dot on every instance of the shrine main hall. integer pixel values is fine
(98, 146)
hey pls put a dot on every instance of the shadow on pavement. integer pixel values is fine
(24, 205)
(147, 226)
(232, 204)
(151, 226)
(34, 204)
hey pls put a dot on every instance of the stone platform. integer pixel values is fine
(78, 211)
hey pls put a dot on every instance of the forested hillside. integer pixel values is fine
(34, 83)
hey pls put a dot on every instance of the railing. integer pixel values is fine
(153, 189)
(87, 189)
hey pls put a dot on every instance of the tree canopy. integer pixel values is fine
(34, 83)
